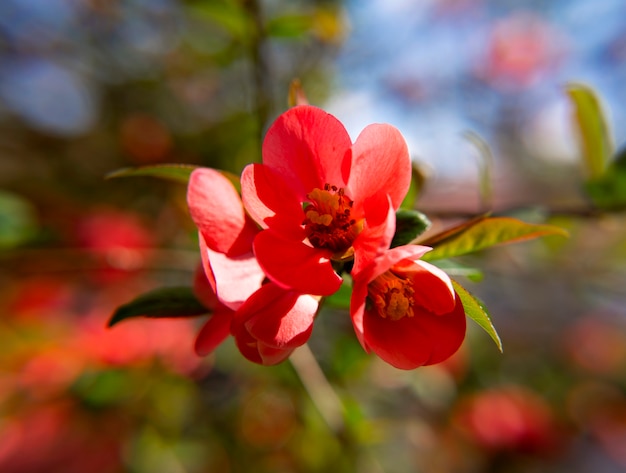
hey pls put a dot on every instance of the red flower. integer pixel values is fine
(321, 199)
(406, 310)
(225, 234)
(272, 323)
(268, 322)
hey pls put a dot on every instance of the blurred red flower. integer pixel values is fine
(119, 238)
(405, 310)
(510, 419)
(522, 48)
(55, 438)
(321, 199)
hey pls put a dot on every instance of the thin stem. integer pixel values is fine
(319, 389)
(577, 212)
(260, 67)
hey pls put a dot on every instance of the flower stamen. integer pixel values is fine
(392, 296)
(328, 222)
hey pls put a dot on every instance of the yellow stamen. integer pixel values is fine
(328, 222)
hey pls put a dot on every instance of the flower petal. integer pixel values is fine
(378, 232)
(217, 211)
(279, 318)
(362, 277)
(401, 343)
(269, 201)
(357, 309)
(214, 331)
(432, 286)
(235, 278)
(385, 261)
(203, 288)
(271, 355)
(380, 164)
(309, 148)
(410, 342)
(206, 264)
(447, 332)
(294, 265)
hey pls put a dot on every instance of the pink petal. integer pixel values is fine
(279, 318)
(270, 201)
(380, 164)
(206, 264)
(387, 260)
(217, 211)
(378, 232)
(357, 309)
(294, 265)
(272, 356)
(235, 278)
(203, 288)
(256, 351)
(308, 147)
(433, 287)
(401, 343)
(214, 331)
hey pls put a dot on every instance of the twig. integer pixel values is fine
(319, 389)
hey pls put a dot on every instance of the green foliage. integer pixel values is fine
(409, 225)
(608, 192)
(477, 311)
(228, 15)
(288, 26)
(485, 166)
(173, 172)
(417, 183)
(17, 220)
(592, 128)
(167, 302)
(481, 233)
(341, 298)
(453, 268)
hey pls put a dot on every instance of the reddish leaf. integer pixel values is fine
(482, 233)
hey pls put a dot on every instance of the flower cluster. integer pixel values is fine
(317, 207)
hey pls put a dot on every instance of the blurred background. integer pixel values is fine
(91, 86)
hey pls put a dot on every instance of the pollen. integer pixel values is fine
(391, 296)
(328, 221)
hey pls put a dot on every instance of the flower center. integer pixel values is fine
(328, 223)
(392, 296)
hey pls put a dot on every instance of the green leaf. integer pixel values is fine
(230, 16)
(167, 302)
(173, 172)
(341, 298)
(608, 192)
(477, 311)
(288, 26)
(592, 127)
(452, 268)
(486, 232)
(409, 225)
(417, 183)
(18, 222)
(485, 166)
